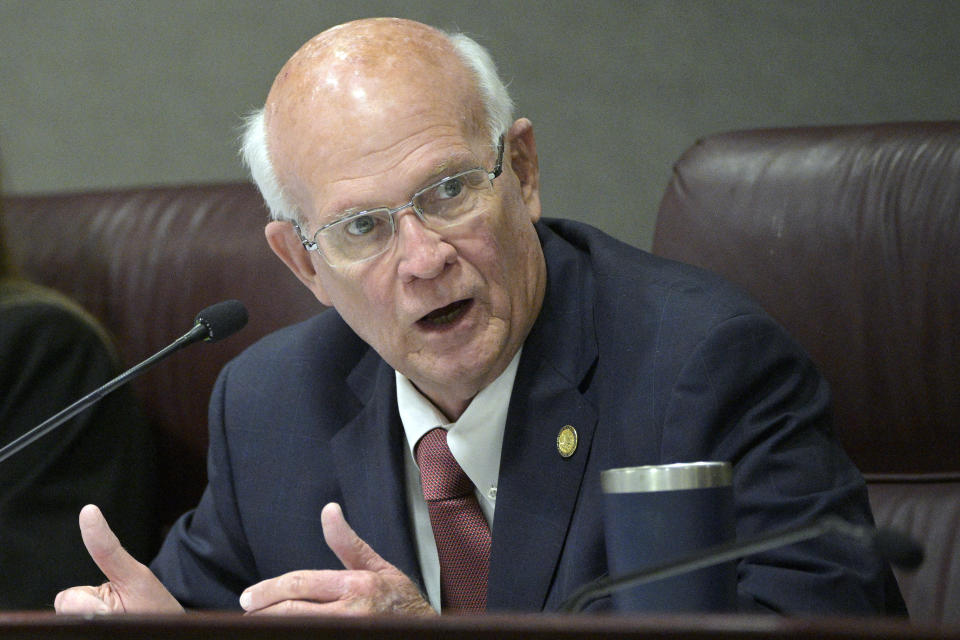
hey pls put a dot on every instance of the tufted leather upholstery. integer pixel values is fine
(144, 262)
(850, 237)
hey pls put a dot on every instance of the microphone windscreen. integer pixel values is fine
(899, 549)
(222, 319)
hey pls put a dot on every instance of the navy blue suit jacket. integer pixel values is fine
(652, 361)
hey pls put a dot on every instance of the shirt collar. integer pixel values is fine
(476, 438)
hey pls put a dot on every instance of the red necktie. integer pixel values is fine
(459, 528)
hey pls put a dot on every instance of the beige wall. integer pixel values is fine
(102, 94)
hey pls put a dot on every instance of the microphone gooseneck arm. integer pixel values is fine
(213, 323)
(895, 547)
(94, 396)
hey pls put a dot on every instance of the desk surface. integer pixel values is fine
(216, 625)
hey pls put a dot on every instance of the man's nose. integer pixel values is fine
(424, 253)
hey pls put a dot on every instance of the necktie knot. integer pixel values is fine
(440, 474)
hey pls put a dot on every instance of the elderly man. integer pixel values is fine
(466, 336)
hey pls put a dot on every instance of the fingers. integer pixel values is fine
(369, 584)
(80, 600)
(132, 587)
(310, 608)
(349, 548)
(316, 587)
(339, 592)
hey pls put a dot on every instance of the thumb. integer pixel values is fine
(133, 582)
(352, 551)
(104, 547)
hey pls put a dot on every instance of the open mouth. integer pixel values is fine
(445, 315)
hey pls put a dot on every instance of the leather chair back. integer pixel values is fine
(144, 262)
(850, 237)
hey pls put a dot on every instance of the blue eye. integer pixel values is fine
(450, 189)
(361, 225)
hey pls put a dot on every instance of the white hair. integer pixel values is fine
(257, 158)
(493, 95)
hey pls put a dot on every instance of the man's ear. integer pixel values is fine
(525, 164)
(286, 244)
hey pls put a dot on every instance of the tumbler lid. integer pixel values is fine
(667, 477)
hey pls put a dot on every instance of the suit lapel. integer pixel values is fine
(538, 488)
(537, 492)
(369, 460)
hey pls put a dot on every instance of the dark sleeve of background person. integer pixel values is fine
(52, 353)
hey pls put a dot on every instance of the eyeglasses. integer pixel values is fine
(367, 234)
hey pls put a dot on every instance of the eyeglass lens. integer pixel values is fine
(451, 201)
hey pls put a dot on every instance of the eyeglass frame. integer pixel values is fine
(313, 245)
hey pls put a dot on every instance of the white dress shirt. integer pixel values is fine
(474, 440)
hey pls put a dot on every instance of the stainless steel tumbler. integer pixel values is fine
(659, 513)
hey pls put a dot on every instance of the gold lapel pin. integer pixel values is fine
(567, 441)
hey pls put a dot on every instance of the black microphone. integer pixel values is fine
(214, 323)
(897, 548)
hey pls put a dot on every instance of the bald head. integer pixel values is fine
(359, 79)
(356, 69)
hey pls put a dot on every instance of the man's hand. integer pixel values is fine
(132, 588)
(369, 584)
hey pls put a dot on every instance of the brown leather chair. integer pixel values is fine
(144, 262)
(850, 237)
